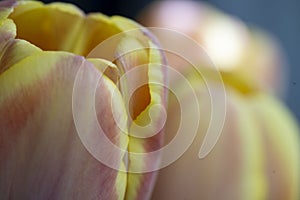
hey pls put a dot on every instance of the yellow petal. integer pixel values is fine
(146, 130)
(280, 136)
(95, 29)
(106, 67)
(43, 26)
(80, 33)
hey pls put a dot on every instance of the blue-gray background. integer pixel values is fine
(280, 17)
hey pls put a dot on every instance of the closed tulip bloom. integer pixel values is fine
(257, 153)
(50, 147)
(255, 157)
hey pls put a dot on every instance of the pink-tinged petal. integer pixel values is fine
(6, 8)
(256, 156)
(144, 81)
(141, 84)
(41, 154)
(8, 31)
(12, 50)
(133, 58)
(232, 170)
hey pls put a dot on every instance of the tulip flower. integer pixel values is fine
(255, 157)
(254, 55)
(257, 153)
(50, 147)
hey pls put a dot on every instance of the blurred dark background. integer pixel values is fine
(279, 17)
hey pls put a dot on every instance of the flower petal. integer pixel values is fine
(233, 168)
(42, 26)
(106, 67)
(81, 33)
(95, 29)
(41, 154)
(12, 50)
(15, 51)
(146, 128)
(280, 136)
(256, 156)
(6, 8)
(142, 79)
